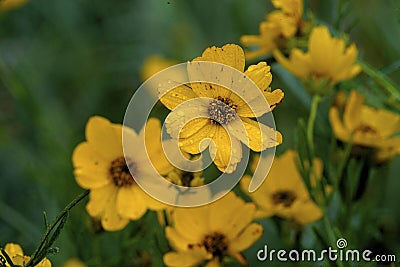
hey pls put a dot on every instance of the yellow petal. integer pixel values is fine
(246, 238)
(104, 136)
(352, 114)
(44, 263)
(230, 54)
(129, 203)
(229, 206)
(151, 203)
(260, 74)
(152, 134)
(257, 137)
(13, 249)
(227, 150)
(188, 258)
(306, 212)
(213, 263)
(298, 63)
(176, 241)
(194, 144)
(339, 129)
(386, 122)
(177, 96)
(111, 220)
(20, 260)
(91, 169)
(319, 44)
(98, 199)
(191, 223)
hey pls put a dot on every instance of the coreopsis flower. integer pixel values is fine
(279, 26)
(284, 193)
(326, 62)
(367, 127)
(16, 254)
(221, 117)
(8, 5)
(212, 232)
(154, 64)
(100, 166)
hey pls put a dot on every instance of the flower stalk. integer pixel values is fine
(47, 240)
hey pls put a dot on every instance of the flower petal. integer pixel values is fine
(226, 150)
(177, 241)
(306, 212)
(191, 223)
(105, 136)
(13, 249)
(257, 136)
(177, 96)
(246, 238)
(213, 263)
(198, 141)
(230, 54)
(111, 220)
(152, 137)
(352, 114)
(129, 203)
(91, 169)
(98, 199)
(188, 258)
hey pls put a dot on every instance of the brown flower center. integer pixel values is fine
(284, 197)
(186, 178)
(222, 110)
(119, 171)
(365, 129)
(216, 244)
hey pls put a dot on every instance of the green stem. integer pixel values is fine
(53, 224)
(311, 121)
(382, 80)
(331, 235)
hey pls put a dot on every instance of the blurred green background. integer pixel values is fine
(64, 61)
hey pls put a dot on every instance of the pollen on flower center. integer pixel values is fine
(216, 244)
(119, 171)
(285, 197)
(222, 110)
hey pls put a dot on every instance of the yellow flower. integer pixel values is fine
(211, 232)
(74, 263)
(7, 5)
(226, 109)
(283, 193)
(367, 127)
(278, 27)
(327, 58)
(100, 166)
(16, 254)
(154, 64)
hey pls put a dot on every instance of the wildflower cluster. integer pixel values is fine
(308, 193)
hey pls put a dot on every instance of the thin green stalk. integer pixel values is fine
(53, 224)
(311, 121)
(331, 235)
(382, 80)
